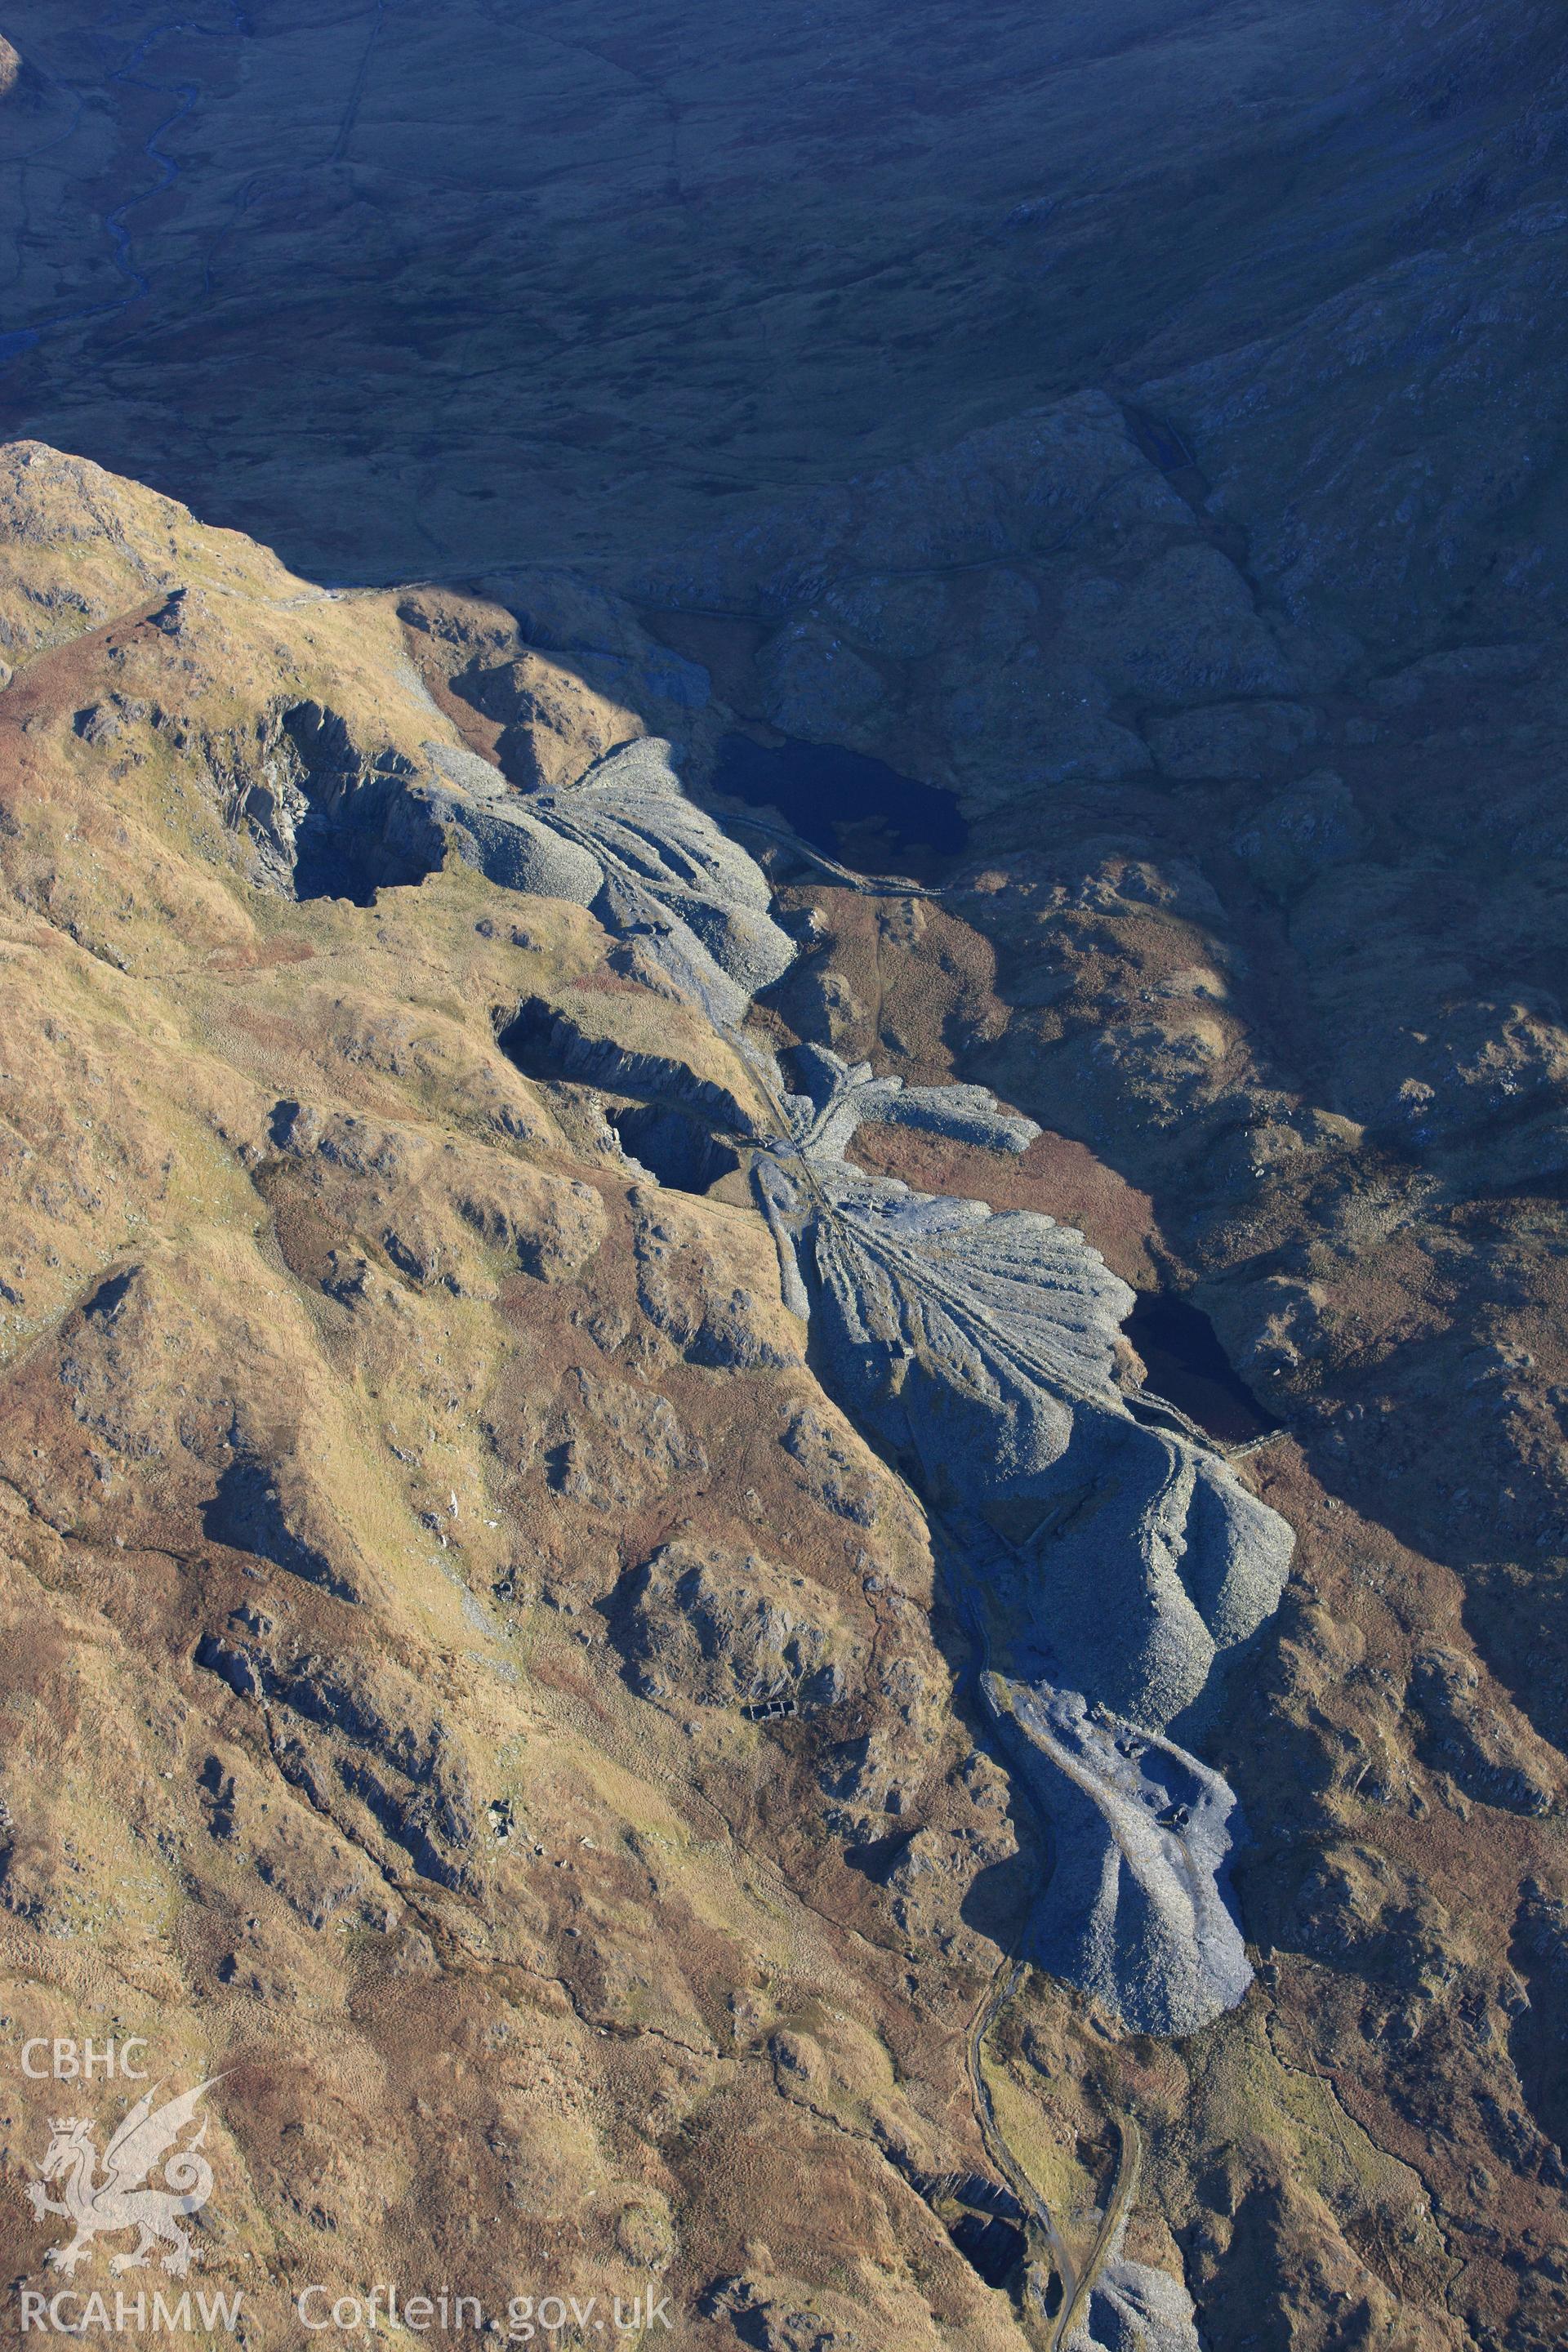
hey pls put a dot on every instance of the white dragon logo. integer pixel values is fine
(122, 2201)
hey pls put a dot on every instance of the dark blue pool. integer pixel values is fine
(827, 793)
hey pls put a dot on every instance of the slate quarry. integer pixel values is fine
(978, 1348)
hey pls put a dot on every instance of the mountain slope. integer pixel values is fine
(377, 1430)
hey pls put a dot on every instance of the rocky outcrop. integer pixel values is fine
(1320, 404)
(335, 1739)
(725, 1630)
(1301, 833)
(1024, 597)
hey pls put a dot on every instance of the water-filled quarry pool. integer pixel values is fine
(1188, 1367)
(845, 803)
